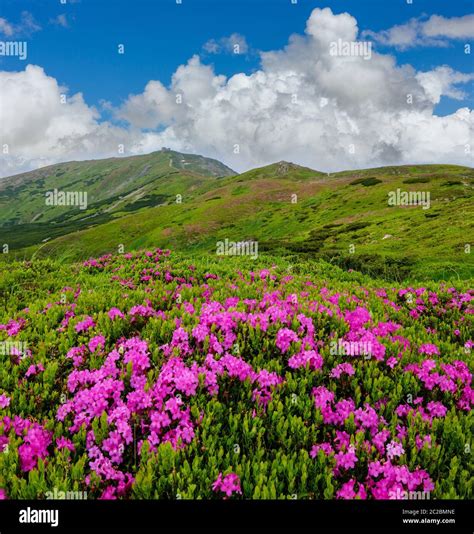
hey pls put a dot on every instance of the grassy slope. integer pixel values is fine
(113, 186)
(331, 213)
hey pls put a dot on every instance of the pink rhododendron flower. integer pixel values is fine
(228, 484)
(358, 318)
(342, 368)
(428, 348)
(346, 460)
(325, 447)
(394, 449)
(64, 443)
(85, 325)
(420, 441)
(322, 397)
(95, 342)
(13, 327)
(305, 357)
(142, 311)
(348, 491)
(34, 370)
(3, 443)
(4, 401)
(392, 362)
(77, 355)
(35, 446)
(284, 339)
(113, 313)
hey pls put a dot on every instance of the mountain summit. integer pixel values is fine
(111, 184)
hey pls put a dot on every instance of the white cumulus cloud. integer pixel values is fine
(435, 31)
(308, 106)
(452, 28)
(303, 104)
(40, 128)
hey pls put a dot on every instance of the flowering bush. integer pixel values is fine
(147, 375)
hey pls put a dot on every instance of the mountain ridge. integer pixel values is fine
(22, 196)
(112, 159)
(283, 206)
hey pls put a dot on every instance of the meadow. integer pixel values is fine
(186, 203)
(155, 374)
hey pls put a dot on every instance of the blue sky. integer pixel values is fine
(159, 35)
(285, 96)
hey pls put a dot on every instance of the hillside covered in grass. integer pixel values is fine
(113, 186)
(343, 218)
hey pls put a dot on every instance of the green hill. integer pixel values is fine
(344, 217)
(114, 185)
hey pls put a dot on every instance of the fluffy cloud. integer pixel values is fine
(39, 128)
(442, 81)
(453, 28)
(308, 106)
(304, 105)
(323, 26)
(436, 31)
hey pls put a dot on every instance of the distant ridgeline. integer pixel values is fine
(393, 222)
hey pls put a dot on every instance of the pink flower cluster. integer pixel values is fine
(4, 401)
(229, 484)
(12, 328)
(303, 358)
(456, 379)
(342, 368)
(84, 325)
(284, 339)
(161, 407)
(35, 446)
